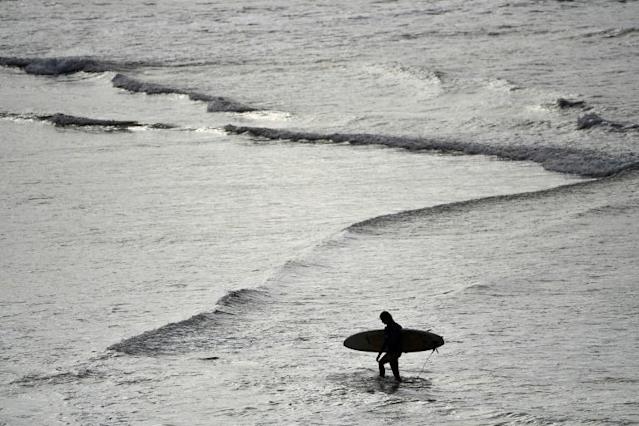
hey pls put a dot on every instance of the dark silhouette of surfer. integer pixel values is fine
(392, 346)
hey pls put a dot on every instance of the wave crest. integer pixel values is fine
(614, 32)
(588, 121)
(64, 65)
(214, 103)
(65, 120)
(377, 225)
(563, 103)
(588, 163)
(31, 380)
(195, 333)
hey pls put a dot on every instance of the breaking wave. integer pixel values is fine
(614, 32)
(214, 103)
(425, 79)
(591, 120)
(199, 332)
(226, 324)
(31, 380)
(65, 65)
(70, 65)
(65, 120)
(563, 103)
(587, 163)
(377, 224)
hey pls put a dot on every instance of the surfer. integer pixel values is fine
(392, 346)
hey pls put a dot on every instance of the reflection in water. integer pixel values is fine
(367, 380)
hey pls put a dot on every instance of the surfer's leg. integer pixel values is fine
(384, 360)
(393, 361)
(395, 367)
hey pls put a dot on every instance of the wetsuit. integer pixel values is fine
(393, 347)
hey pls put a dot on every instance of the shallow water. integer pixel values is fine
(189, 273)
(114, 234)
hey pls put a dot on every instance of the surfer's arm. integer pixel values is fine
(381, 351)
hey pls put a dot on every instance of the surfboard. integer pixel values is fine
(412, 341)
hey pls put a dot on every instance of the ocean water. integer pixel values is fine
(199, 201)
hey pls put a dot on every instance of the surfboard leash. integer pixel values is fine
(424, 366)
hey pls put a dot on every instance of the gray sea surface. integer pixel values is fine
(199, 201)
